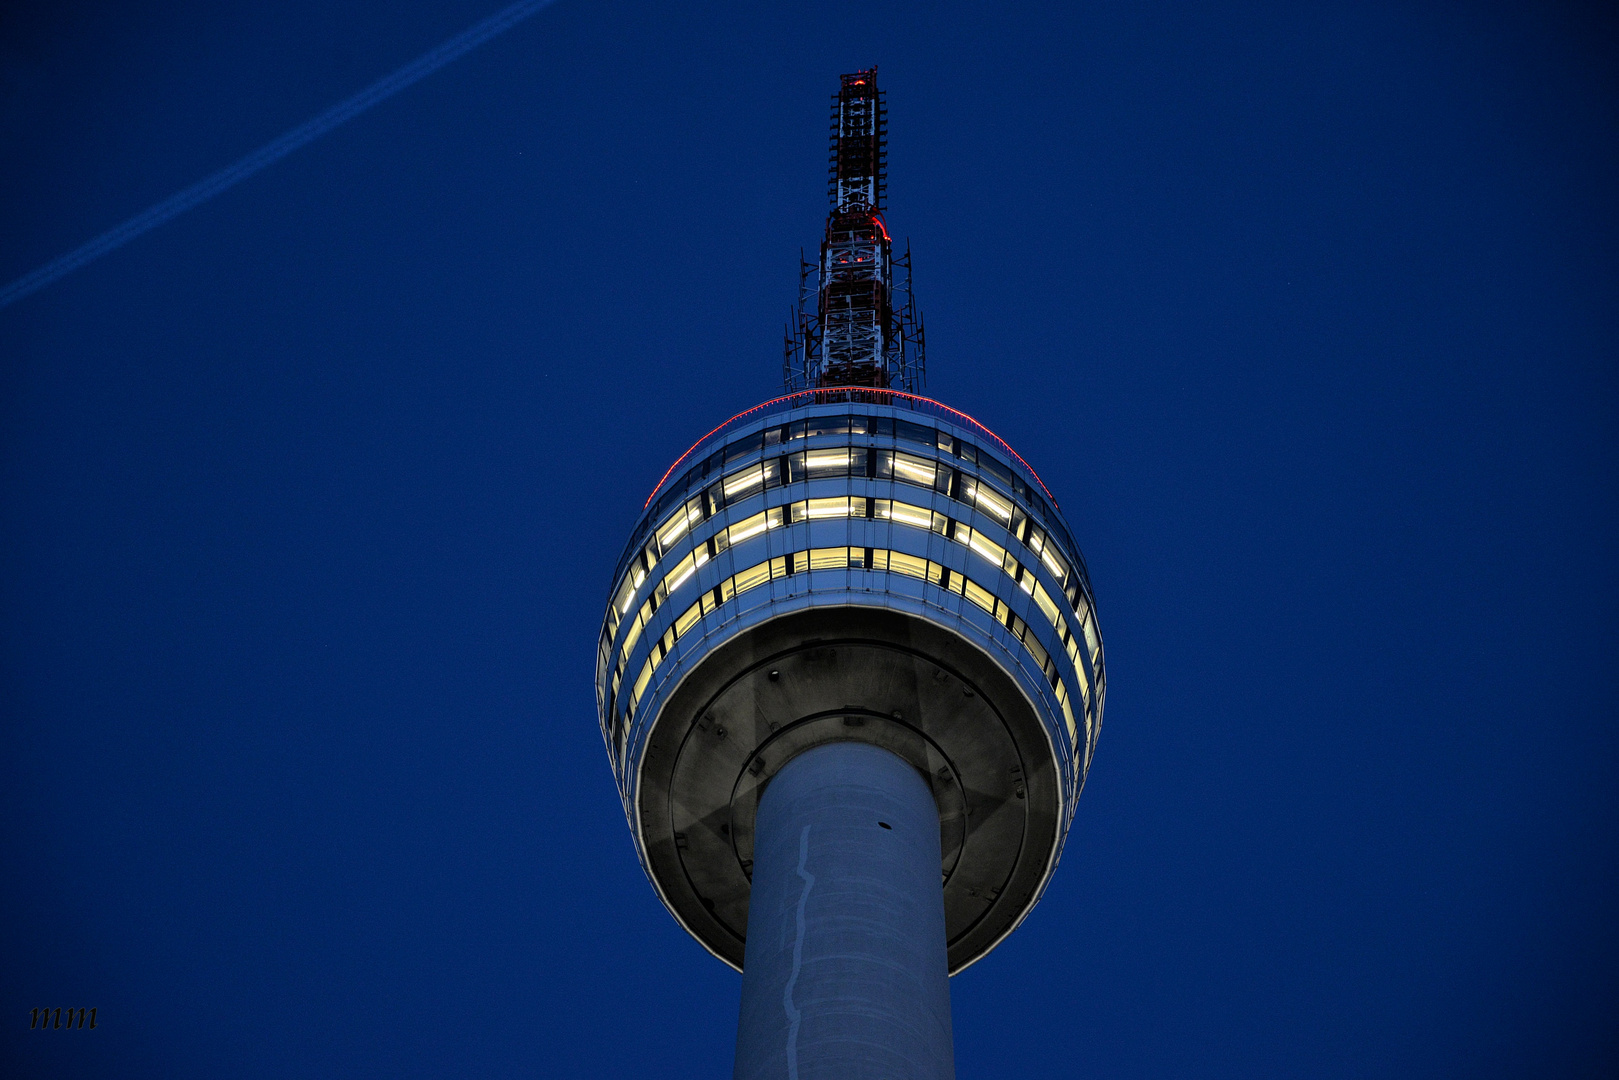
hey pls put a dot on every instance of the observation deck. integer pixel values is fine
(851, 565)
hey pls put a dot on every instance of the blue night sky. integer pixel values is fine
(309, 499)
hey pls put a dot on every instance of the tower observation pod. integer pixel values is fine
(850, 676)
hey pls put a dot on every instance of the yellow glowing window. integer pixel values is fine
(980, 596)
(1084, 683)
(687, 618)
(828, 508)
(727, 589)
(621, 605)
(676, 526)
(641, 681)
(987, 499)
(1044, 601)
(836, 558)
(826, 462)
(684, 569)
(879, 559)
(1054, 563)
(1068, 714)
(901, 563)
(906, 514)
(634, 632)
(753, 575)
(748, 528)
(740, 483)
(1092, 645)
(983, 546)
(914, 470)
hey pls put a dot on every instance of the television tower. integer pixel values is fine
(850, 676)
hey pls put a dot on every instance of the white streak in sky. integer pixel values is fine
(270, 153)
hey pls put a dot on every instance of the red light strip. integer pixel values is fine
(846, 389)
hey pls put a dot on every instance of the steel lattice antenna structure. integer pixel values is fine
(850, 677)
(862, 331)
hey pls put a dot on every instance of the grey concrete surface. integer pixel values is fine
(845, 971)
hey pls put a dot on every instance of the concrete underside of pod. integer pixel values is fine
(859, 674)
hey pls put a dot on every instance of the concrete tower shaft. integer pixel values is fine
(845, 972)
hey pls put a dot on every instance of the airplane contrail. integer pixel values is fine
(271, 152)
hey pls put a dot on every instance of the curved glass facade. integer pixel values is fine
(846, 503)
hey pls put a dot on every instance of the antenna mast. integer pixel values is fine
(861, 330)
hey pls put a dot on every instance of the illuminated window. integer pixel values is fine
(910, 565)
(687, 618)
(682, 520)
(683, 570)
(1079, 669)
(817, 509)
(830, 462)
(980, 596)
(1054, 563)
(915, 470)
(635, 629)
(1068, 715)
(640, 683)
(908, 514)
(742, 482)
(987, 498)
(1046, 605)
(748, 528)
(753, 575)
(983, 546)
(836, 558)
